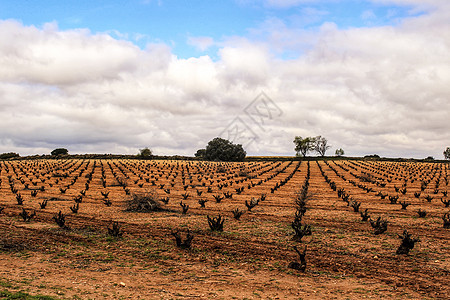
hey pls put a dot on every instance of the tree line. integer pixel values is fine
(219, 149)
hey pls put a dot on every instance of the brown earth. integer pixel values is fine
(250, 258)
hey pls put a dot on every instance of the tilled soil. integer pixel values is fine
(250, 258)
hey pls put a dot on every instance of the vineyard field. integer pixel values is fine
(69, 229)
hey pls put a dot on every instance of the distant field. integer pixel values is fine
(250, 258)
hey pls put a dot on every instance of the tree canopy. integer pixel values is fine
(321, 145)
(303, 145)
(60, 151)
(9, 155)
(201, 153)
(339, 152)
(318, 144)
(447, 153)
(145, 153)
(222, 150)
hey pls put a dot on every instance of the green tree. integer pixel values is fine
(304, 145)
(224, 150)
(339, 152)
(60, 151)
(145, 153)
(9, 155)
(201, 153)
(321, 145)
(447, 153)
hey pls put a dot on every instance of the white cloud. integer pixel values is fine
(368, 15)
(146, 2)
(286, 3)
(245, 64)
(202, 43)
(49, 56)
(369, 90)
(418, 4)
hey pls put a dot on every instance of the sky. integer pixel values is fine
(373, 77)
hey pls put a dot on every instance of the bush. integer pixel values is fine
(186, 244)
(299, 229)
(143, 202)
(60, 151)
(251, 204)
(407, 243)
(26, 216)
(9, 155)
(115, 230)
(237, 213)
(380, 225)
(446, 219)
(243, 173)
(216, 224)
(301, 266)
(60, 219)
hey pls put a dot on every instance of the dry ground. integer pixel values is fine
(249, 259)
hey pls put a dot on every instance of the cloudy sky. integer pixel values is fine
(117, 76)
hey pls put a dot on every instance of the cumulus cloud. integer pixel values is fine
(46, 55)
(246, 64)
(377, 90)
